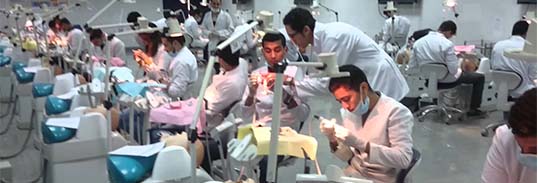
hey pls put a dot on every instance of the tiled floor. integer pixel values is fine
(450, 153)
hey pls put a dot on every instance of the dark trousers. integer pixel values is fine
(216, 66)
(263, 167)
(476, 79)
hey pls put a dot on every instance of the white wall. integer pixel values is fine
(115, 14)
(490, 20)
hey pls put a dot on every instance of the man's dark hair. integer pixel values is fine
(65, 21)
(353, 81)
(448, 25)
(420, 33)
(132, 17)
(96, 34)
(52, 24)
(298, 18)
(520, 28)
(226, 54)
(522, 118)
(273, 37)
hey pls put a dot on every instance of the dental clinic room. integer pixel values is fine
(268, 91)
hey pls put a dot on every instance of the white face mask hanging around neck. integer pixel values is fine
(215, 10)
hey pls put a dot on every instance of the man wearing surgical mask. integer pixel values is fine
(375, 132)
(182, 70)
(512, 155)
(99, 38)
(217, 25)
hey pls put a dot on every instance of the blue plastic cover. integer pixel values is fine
(42, 89)
(4, 60)
(17, 65)
(24, 77)
(55, 105)
(129, 169)
(54, 134)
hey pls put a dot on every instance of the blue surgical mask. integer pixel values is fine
(172, 54)
(527, 160)
(363, 107)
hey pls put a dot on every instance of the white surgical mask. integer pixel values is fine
(363, 106)
(215, 10)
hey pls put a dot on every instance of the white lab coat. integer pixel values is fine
(227, 87)
(526, 70)
(354, 47)
(74, 38)
(401, 30)
(502, 165)
(183, 72)
(388, 128)
(264, 102)
(435, 48)
(192, 28)
(223, 27)
(117, 49)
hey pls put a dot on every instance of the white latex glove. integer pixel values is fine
(345, 136)
(327, 128)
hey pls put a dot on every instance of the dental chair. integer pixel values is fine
(173, 165)
(68, 152)
(433, 72)
(489, 94)
(505, 81)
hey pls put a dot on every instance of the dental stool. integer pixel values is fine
(434, 72)
(173, 165)
(68, 152)
(505, 81)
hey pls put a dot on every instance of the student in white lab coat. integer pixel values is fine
(217, 25)
(192, 28)
(228, 86)
(98, 38)
(526, 70)
(351, 46)
(396, 27)
(75, 37)
(375, 132)
(512, 155)
(225, 90)
(436, 48)
(249, 47)
(258, 96)
(182, 70)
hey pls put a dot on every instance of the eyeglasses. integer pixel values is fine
(293, 34)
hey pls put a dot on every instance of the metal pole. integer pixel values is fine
(101, 11)
(200, 99)
(275, 123)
